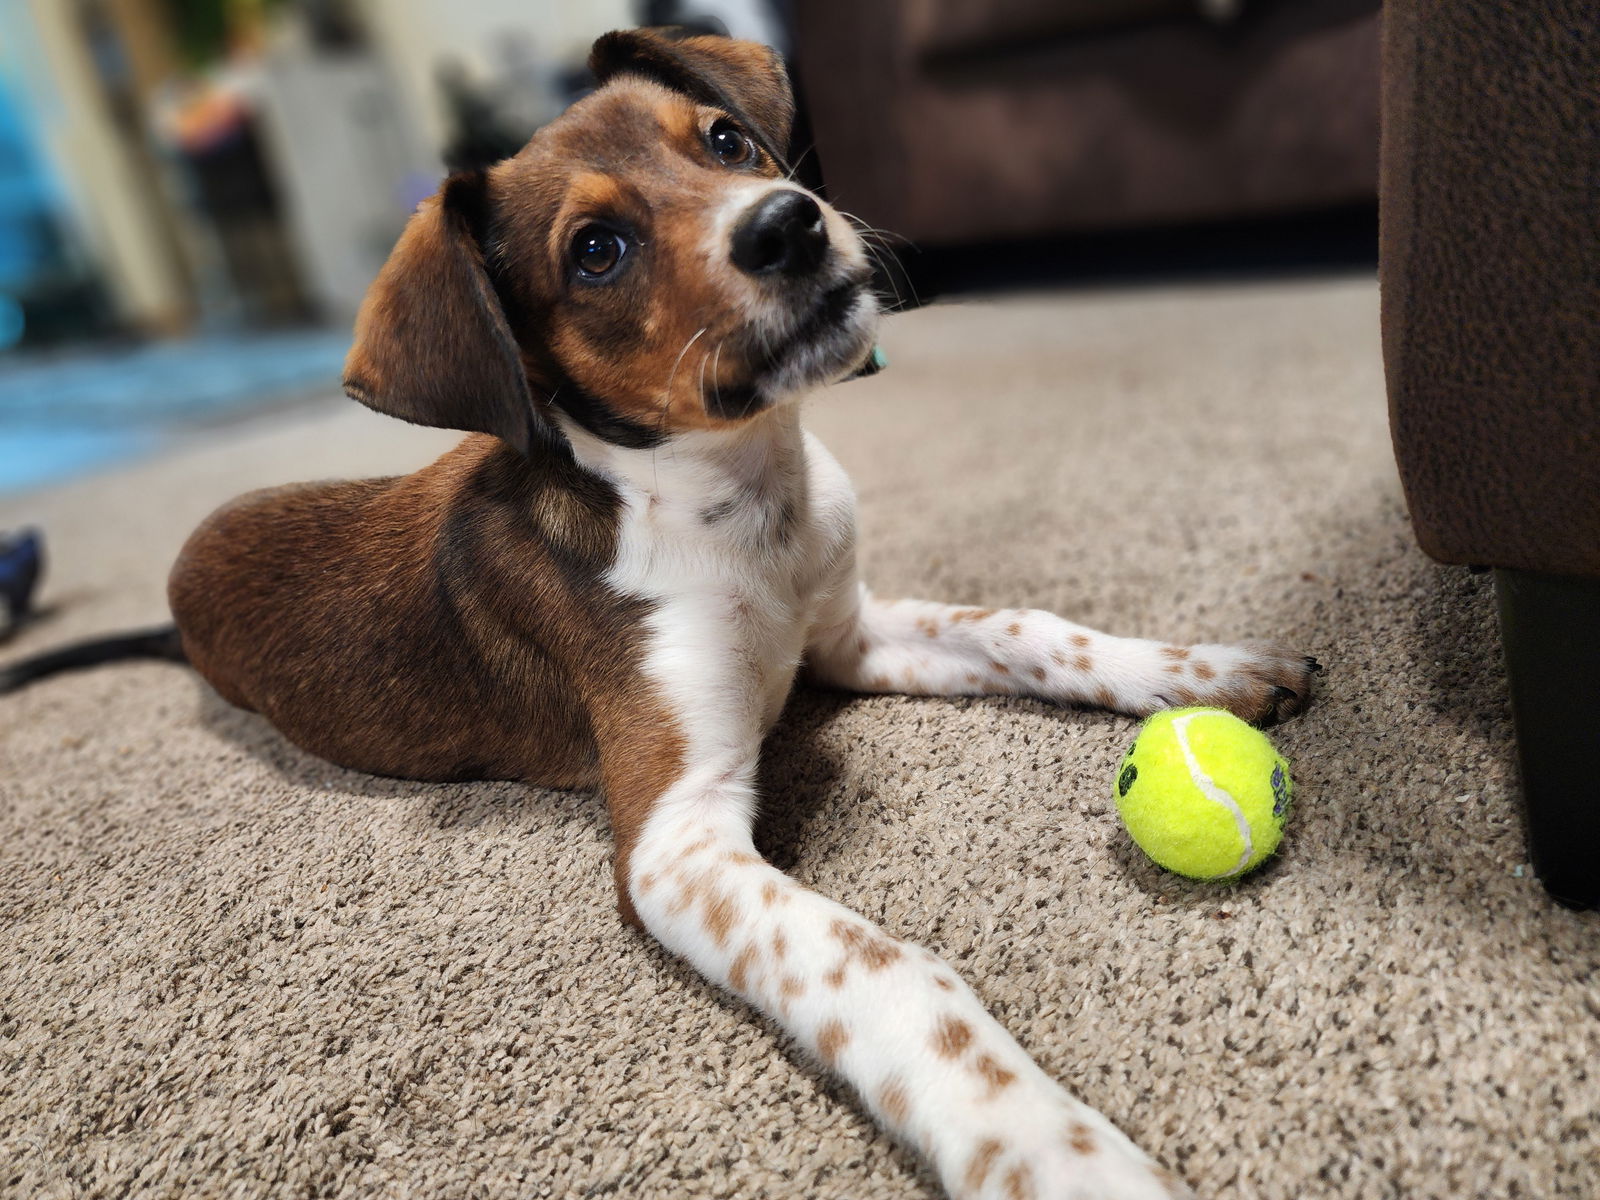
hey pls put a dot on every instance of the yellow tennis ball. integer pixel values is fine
(1203, 793)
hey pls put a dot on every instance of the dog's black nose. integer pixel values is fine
(782, 233)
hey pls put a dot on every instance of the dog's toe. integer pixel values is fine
(1282, 685)
(1259, 682)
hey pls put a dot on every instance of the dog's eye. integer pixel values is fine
(728, 142)
(597, 250)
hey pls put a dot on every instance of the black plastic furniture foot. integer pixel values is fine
(1550, 626)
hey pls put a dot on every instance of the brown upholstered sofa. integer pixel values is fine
(960, 121)
(1490, 261)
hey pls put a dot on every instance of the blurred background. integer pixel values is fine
(194, 194)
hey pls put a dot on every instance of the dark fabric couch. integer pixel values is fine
(960, 121)
(1490, 262)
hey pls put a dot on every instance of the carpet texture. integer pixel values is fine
(227, 968)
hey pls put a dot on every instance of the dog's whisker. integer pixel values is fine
(887, 273)
(666, 399)
(701, 382)
(794, 167)
(880, 247)
(661, 427)
(866, 228)
(672, 374)
(893, 274)
(716, 368)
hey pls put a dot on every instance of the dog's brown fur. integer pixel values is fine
(451, 624)
(409, 609)
(444, 625)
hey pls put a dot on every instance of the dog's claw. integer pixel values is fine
(1312, 664)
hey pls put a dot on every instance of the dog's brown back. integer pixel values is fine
(413, 626)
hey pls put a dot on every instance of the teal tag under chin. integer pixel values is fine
(876, 361)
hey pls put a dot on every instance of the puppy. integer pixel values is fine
(614, 581)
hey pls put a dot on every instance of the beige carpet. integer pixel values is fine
(229, 969)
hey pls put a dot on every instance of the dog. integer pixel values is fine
(615, 580)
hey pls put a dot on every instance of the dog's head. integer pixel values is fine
(642, 265)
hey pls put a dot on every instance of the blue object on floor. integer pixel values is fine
(62, 414)
(21, 562)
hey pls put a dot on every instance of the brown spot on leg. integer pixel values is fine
(1081, 1138)
(769, 893)
(951, 1036)
(1058, 658)
(835, 977)
(830, 1040)
(1204, 671)
(895, 1103)
(865, 945)
(790, 987)
(739, 972)
(939, 981)
(780, 945)
(982, 1159)
(879, 953)
(1019, 1184)
(721, 912)
(1174, 668)
(1083, 663)
(686, 898)
(974, 677)
(1174, 652)
(993, 1074)
(1080, 640)
(929, 627)
(1040, 674)
(740, 858)
(862, 645)
(695, 847)
(999, 668)
(647, 881)
(1104, 698)
(1014, 629)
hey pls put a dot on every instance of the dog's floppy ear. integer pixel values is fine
(745, 79)
(432, 343)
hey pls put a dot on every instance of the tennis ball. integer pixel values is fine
(1203, 793)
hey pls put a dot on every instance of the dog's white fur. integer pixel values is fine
(737, 605)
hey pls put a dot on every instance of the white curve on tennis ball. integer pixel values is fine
(1217, 795)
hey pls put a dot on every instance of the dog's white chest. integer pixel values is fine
(736, 544)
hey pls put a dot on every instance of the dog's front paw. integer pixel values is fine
(1258, 682)
(1060, 1152)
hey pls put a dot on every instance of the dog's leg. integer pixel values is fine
(922, 648)
(890, 1017)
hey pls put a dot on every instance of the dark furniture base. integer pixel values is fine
(1550, 625)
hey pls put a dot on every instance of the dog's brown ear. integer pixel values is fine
(745, 79)
(432, 343)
